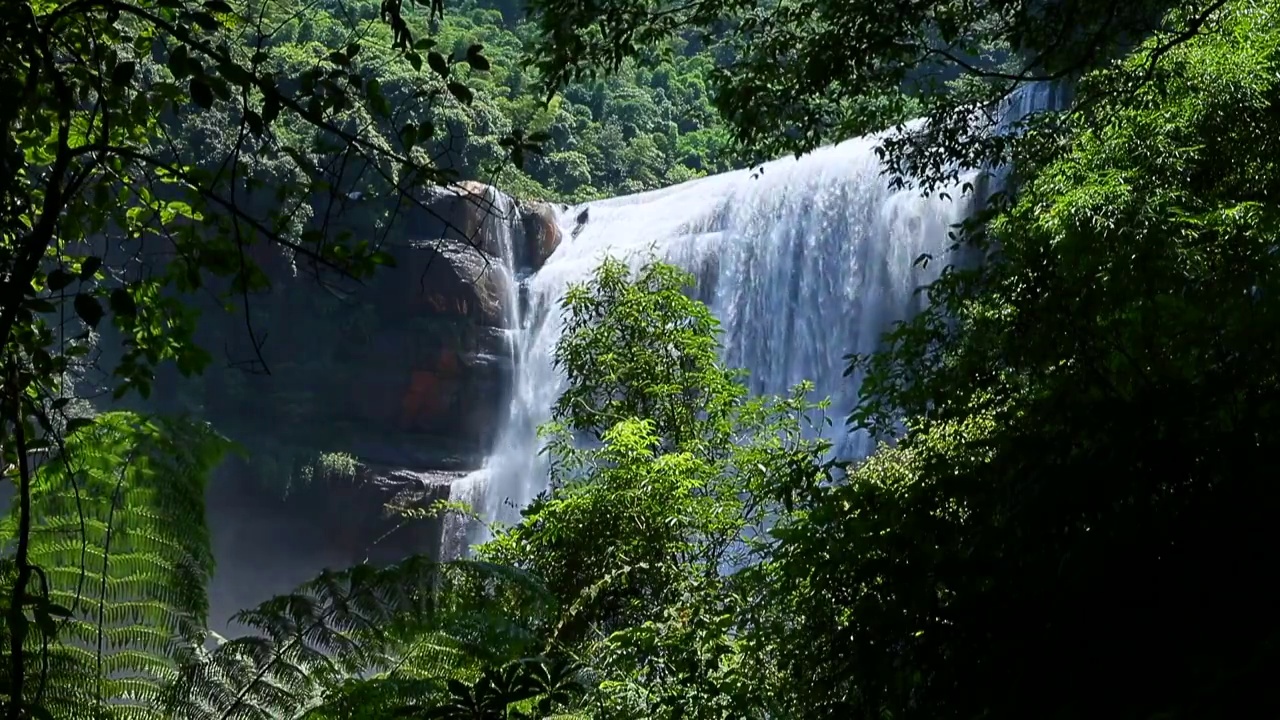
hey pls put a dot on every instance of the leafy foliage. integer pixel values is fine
(1090, 413)
(792, 77)
(117, 530)
(644, 535)
(1067, 517)
(105, 215)
(648, 127)
(363, 641)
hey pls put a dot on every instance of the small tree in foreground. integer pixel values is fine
(649, 535)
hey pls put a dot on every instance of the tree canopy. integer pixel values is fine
(793, 76)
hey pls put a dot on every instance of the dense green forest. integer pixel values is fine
(648, 126)
(1066, 516)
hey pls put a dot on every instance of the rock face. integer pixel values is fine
(410, 372)
(464, 212)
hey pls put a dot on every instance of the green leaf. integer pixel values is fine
(219, 87)
(201, 93)
(476, 60)
(235, 74)
(75, 424)
(44, 622)
(57, 610)
(270, 107)
(179, 64)
(123, 73)
(254, 121)
(207, 22)
(40, 305)
(88, 309)
(58, 279)
(409, 135)
(415, 60)
(460, 91)
(218, 6)
(438, 63)
(122, 303)
(89, 266)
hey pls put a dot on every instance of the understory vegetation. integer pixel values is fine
(1067, 512)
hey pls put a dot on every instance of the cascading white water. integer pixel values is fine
(498, 231)
(805, 261)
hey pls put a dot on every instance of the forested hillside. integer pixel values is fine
(649, 126)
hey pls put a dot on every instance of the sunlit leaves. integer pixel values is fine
(119, 514)
(792, 78)
(641, 532)
(1074, 409)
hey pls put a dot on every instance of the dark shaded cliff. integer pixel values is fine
(388, 388)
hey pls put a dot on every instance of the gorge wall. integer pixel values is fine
(403, 380)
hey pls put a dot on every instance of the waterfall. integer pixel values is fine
(803, 260)
(498, 233)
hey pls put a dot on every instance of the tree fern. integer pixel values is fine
(364, 641)
(119, 538)
(122, 551)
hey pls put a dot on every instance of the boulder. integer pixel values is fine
(540, 235)
(268, 543)
(479, 215)
(469, 213)
(446, 278)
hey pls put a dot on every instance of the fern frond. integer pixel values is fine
(365, 637)
(119, 538)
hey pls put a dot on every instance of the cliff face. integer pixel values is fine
(409, 373)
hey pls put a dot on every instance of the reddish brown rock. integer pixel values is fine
(541, 234)
(448, 278)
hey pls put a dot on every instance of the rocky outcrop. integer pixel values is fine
(268, 542)
(410, 372)
(471, 214)
(541, 234)
(411, 368)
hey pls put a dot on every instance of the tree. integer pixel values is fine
(650, 525)
(1076, 518)
(117, 622)
(793, 77)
